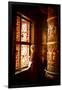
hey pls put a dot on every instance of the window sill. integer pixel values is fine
(29, 65)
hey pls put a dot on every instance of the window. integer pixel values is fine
(23, 44)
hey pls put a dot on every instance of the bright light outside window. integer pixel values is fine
(23, 43)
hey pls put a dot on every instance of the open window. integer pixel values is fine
(23, 44)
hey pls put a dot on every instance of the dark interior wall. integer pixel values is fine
(40, 28)
(43, 39)
(11, 42)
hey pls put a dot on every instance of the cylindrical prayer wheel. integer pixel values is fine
(52, 70)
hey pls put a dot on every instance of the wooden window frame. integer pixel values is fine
(23, 43)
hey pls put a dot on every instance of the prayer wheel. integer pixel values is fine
(52, 69)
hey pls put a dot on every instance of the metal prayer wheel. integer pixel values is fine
(52, 69)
